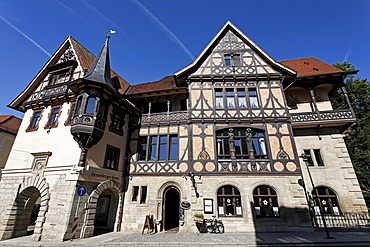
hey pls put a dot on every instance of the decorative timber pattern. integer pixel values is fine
(245, 62)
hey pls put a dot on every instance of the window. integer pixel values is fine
(144, 190)
(318, 157)
(328, 200)
(253, 100)
(54, 114)
(229, 201)
(243, 143)
(219, 99)
(161, 147)
(90, 105)
(317, 154)
(265, 202)
(236, 98)
(232, 59)
(143, 193)
(111, 157)
(117, 122)
(71, 113)
(230, 100)
(135, 193)
(34, 123)
(307, 152)
(60, 77)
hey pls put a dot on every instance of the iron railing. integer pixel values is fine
(345, 220)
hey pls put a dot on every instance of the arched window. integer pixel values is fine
(229, 201)
(90, 105)
(328, 200)
(241, 143)
(265, 202)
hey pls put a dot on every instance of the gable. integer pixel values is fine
(232, 53)
(68, 63)
(233, 56)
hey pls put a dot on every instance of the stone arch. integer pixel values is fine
(90, 206)
(17, 221)
(165, 185)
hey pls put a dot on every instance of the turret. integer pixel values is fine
(94, 93)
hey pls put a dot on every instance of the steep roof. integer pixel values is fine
(165, 83)
(229, 26)
(86, 59)
(10, 123)
(310, 66)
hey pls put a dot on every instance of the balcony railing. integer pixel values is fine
(165, 116)
(321, 116)
(49, 93)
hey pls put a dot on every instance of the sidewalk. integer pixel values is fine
(191, 239)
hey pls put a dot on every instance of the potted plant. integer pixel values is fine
(198, 218)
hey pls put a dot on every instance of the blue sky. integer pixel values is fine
(158, 38)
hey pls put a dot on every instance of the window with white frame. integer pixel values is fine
(158, 147)
(232, 98)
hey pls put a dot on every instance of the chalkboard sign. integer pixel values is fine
(185, 205)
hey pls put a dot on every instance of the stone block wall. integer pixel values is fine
(337, 172)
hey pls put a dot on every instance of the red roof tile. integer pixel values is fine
(10, 123)
(87, 58)
(165, 83)
(310, 66)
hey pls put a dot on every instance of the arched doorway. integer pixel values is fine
(106, 210)
(171, 209)
(27, 207)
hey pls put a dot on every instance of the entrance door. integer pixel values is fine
(171, 209)
(101, 216)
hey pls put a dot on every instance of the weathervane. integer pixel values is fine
(109, 33)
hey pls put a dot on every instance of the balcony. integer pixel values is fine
(50, 92)
(338, 116)
(165, 117)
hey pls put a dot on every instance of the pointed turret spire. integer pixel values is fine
(100, 69)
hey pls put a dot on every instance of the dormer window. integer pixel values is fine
(232, 59)
(61, 73)
(62, 77)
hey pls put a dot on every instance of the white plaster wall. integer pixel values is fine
(58, 140)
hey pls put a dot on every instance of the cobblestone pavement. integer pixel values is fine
(203, 240)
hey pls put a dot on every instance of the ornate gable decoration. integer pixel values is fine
(232, 53)
(232, 56)
(67, 56)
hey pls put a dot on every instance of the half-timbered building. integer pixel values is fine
(235, 134)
